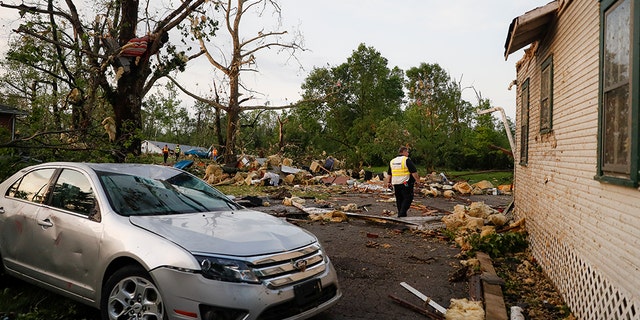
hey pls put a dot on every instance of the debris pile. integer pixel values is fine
(476, 218)
(276, 170)
(437, 185)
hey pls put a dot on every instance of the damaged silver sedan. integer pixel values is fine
(154, 242)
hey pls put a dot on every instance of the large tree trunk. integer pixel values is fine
(233, 112)
(127, 102)
(127, 106)
(233, 115)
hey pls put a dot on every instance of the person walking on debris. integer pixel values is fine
(165, 153)
(177, 152)
(402, 175)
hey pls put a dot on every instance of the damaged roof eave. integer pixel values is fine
(529, 27)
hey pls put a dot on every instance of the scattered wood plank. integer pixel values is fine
(410, 222)
(381, 219)
(475, 288)
(495, 308)
(424, 298)
(427, 313)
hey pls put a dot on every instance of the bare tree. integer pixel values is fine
(241, 57)
(114, 58)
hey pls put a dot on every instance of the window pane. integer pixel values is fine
(524, 141)
(617, 130)
(544, 115)
(545, 98)
(73, 192)
(33, 186)
(545, 83)
(616, 104)
(524, 124)
(617, 44)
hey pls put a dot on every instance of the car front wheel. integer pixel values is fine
(131, 294)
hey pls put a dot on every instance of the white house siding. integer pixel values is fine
(585, 234)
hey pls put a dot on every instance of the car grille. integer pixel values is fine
(291, 267)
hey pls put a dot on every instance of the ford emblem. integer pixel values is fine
(300, 265)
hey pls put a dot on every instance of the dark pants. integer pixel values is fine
(165, 155)
(404, 197)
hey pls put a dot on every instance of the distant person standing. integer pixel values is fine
(177, 152)
(165, 153)
(214, 154)
(402, 175)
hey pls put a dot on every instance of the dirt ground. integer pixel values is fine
(372, 259)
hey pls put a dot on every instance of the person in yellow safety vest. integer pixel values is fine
(165, 153)
(177, 152)
(402, 175)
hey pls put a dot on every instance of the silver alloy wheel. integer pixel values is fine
(135, 297)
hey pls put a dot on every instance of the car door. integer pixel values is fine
(18, 212)
(67, 242)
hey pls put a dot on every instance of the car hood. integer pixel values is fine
(237, 233)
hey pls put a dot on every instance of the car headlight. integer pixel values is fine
(226, 270)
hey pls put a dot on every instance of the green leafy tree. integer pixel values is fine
(437, 116)
(207, 121)
(86, 50)
(487, 146)
(305, 130)
(56, 125)
(162, 114)
(259, 134)
(360, 93)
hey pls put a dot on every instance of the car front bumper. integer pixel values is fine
(188, 295)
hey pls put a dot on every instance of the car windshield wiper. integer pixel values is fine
(229, 202)
(184, 180)
(182, 195)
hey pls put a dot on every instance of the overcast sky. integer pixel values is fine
(465, 37)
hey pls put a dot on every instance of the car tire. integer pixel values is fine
(129, 293)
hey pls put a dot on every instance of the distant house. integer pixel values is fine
(578, 150)
(8, 117)
(150, 146)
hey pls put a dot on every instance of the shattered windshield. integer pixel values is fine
(131, 195)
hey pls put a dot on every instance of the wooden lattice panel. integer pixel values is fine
(588, 293)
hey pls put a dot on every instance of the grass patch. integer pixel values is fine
(22, 301)
(499, 244)
(496, 177)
